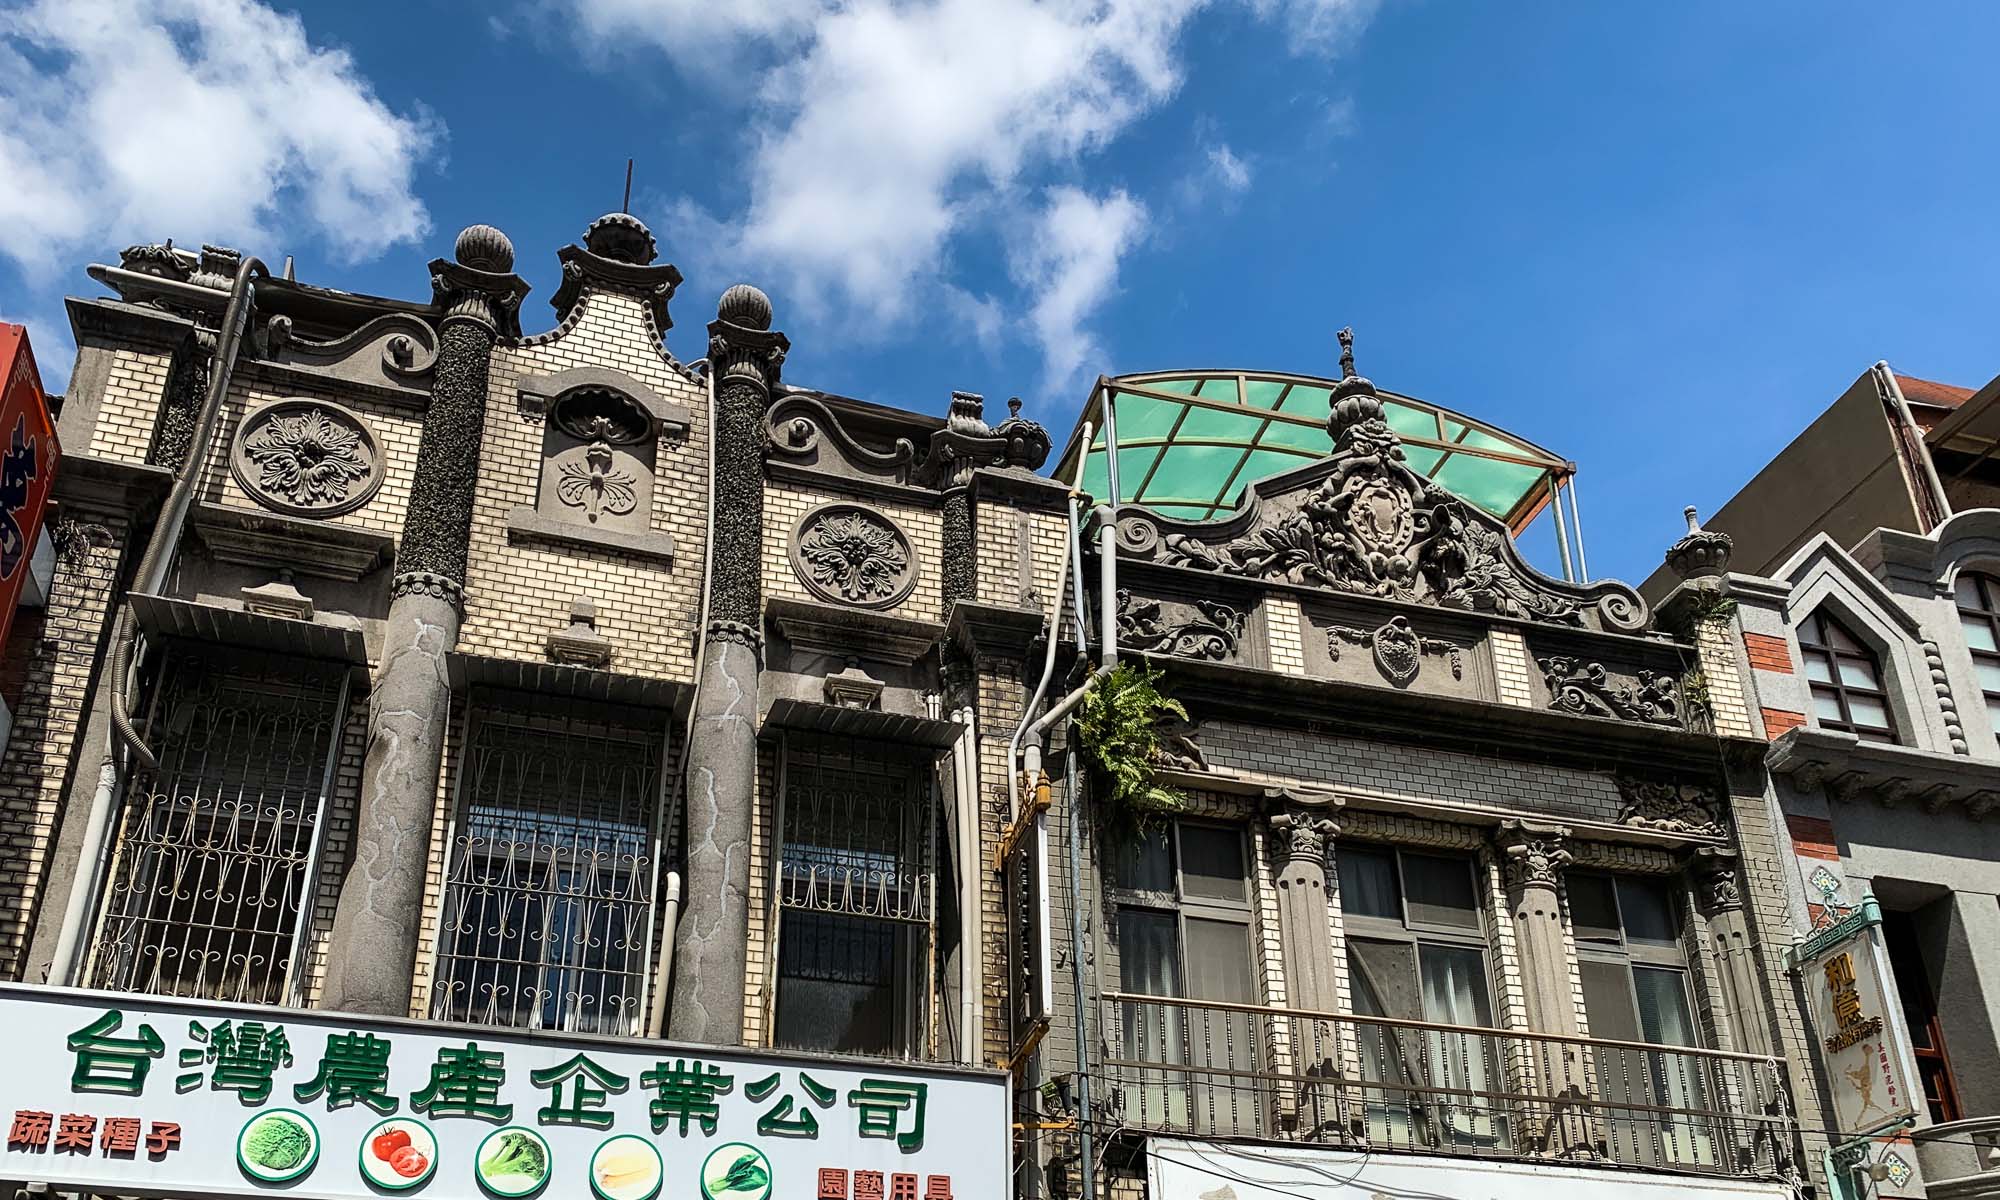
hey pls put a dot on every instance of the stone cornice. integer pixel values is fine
(1477, 726)
(88, 481)
(130, 324)
(1921, 781)
(655, 283)
(983, 630)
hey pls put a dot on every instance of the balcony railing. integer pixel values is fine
(1211, 1069)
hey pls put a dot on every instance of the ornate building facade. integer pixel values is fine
(557, 692)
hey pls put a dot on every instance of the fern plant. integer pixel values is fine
(1118, 729)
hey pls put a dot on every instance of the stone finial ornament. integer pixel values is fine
(746, 306)
(621, 237)
(1702, 553)
(1354, 400)
(484, 248)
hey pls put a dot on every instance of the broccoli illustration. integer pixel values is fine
(516, 1154)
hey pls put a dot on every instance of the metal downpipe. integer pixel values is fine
(150, 577)
(1885, 379)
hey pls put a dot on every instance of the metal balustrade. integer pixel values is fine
(1210, 1069)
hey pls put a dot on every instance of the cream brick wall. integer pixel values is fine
(397, 428)
(785, 505)
(1715, 648)
(49, 657)
(131, 403)
(1511, 667)
(516, 595)
(999, 553)
(1285, 623)
(336, 842)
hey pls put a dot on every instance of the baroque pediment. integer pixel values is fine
(1363, 521)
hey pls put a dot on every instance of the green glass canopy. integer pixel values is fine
(1189, 442)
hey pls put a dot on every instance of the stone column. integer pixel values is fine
(744, 358)
(1719, 896)
(1532, 858)
(374, 943)
(1320, 1049)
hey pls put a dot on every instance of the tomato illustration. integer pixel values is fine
(385, 1145)
(409, 1162)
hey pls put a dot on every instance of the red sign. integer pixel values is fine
(28, 454)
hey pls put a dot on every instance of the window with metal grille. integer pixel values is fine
(1846, 680)
(217, 851)
(552, 866)
(1979, 617)
(1416, 951)
(1183, 914)
(1635, 989)
(856, 896)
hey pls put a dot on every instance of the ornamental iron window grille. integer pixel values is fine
(1846, 680)
(856, 895)
(1979, 617)
(218, 848)
(552, 866)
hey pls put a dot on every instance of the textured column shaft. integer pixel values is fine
(722, 750)
(381, 902)
(961, 549)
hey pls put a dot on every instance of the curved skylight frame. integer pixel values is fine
(1215, 431)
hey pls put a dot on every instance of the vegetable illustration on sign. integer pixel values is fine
(398, 1154)
(735, 1171)
(626, 1167)
(512, 1162)
(277, 1146)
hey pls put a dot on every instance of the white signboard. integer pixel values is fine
(1182, 1170)
(136, 1095)
(1867, 1058)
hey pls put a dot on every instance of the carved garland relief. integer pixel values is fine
(1399, 649)
(308, 458)
(850, 554)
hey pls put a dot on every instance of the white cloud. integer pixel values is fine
(1230, 171)
(889, 131)
(1069, 263)
(126, 120)
(1318, 26)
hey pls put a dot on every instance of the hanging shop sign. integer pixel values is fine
(28, 455)
(136, 1095)
(1869, 1065)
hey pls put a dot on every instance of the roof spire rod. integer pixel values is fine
(1346, 336)
(627, 205)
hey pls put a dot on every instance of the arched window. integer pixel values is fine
(1979, 617)
(1846, 681)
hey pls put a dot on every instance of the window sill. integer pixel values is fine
(524, 524)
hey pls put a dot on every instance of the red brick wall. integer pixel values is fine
(1777, 721)
(1768, 653)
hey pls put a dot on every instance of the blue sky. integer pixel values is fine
(1656, 239)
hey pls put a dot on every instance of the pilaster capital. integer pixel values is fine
(1531, 853)
(1305, 836)
(741, 342)
(1718, 884)
(478, 282)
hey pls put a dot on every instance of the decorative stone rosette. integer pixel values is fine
(307, 458)
(849, 554)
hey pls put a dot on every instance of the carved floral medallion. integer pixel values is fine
(851, 554)
(309, 458)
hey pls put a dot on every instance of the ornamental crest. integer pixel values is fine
(1399, 649)
(850, 554)
(1364, 521)
(309, 458)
